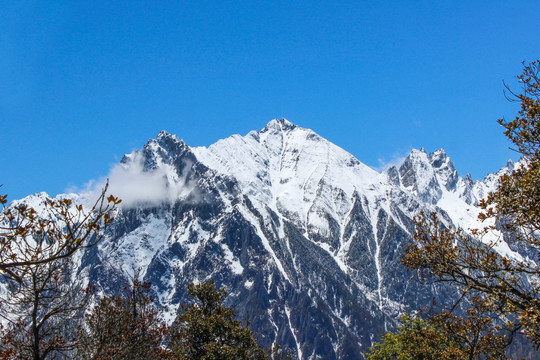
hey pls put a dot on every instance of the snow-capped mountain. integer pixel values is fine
(306, 238)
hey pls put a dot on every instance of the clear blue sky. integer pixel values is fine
(84, 82)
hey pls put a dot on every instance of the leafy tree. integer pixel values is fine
(207, 330)
(417, 338)
(41, 296)
(127, 326)
(42, 311)
(30, 237)
(443, 336)
(505, 286)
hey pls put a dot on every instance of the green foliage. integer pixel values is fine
(207, 330)
(442, 336)
(416, 338)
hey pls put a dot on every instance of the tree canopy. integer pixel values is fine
(208, 330)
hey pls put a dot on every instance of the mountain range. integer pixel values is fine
(305, 237)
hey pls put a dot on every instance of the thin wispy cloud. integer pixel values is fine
(396, 160)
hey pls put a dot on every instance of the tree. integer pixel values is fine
(506, 286)
(417, 338)
(29, 237)
(126, 326)
(42, 310)
(443, 336)
(207, 330)
(42, 297)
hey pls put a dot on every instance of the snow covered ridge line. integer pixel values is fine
(285, 162)
(297, 174)
(151, 176)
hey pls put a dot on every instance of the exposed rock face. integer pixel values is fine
(306, 238)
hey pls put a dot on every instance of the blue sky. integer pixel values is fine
(82, 83)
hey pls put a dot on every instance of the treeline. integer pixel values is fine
(129, 326)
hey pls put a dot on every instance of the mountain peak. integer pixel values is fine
(440, 159)
(165, 136)
(426, 173)
(415, 153)
(441, 152)
(445, 169)
(163, 149)
(281, 124)
(511, 164)
(163, 133)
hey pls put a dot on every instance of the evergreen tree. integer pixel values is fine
(207, 330)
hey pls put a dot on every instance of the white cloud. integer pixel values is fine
(136, 187)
